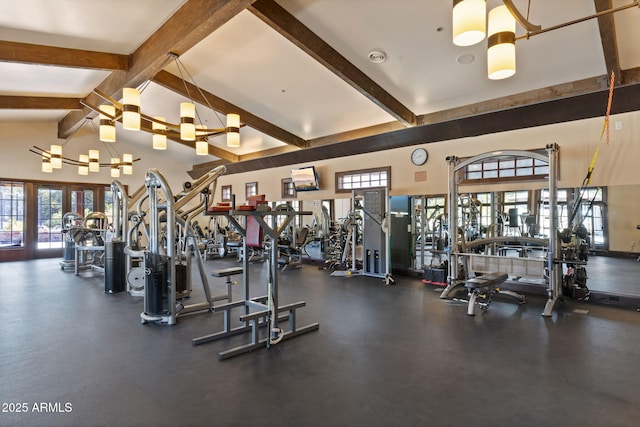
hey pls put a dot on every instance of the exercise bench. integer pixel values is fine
(484, 287)
(228, 273)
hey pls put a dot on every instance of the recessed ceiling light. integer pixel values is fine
(465, 58)
(377, 56)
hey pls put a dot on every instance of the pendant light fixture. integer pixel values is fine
(130, 114)
(94, 161)
(83, 164)
(159, 139)
(127, 166)
(115, 167)
(107, 125)
(469, 21)
(501, 54)
(187, 121)
(56, 156)
(46, 164)
(130, 108)
(233, 130)
(53, 158)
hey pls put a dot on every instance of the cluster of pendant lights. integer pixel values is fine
(87, 162)
(470, 27)
(188, 128)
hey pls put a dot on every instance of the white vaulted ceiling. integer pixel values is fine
(250, 65)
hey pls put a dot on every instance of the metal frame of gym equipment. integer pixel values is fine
(553, 261)
(376, 233)
(267, 314)
(69, 221)
(161, 281)
(429, 236)
(127, 220)
(90, 242)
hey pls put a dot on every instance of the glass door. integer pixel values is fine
(49, 220)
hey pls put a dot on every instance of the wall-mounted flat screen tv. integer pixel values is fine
(305, 179)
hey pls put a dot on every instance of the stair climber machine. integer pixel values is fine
(172, 244)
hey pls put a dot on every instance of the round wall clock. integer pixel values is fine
(419, 156)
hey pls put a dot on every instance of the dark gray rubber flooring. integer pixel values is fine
(383, 356)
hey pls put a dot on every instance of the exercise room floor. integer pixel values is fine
(71, 355)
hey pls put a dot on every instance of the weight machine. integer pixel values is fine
(372, 205)
(172, 241)
(129, 227)
(69, 221)
(456, 241)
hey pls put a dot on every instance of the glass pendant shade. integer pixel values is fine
(202, 148)
(107, 126)
(94, 161)
(131, 108)
(187, 121)
(115, 167)
(83, 164)
(159, 140)
(56, 156)
(233, 130)
(46, 164)
(469, 21)
(501, 54)
(127, 167)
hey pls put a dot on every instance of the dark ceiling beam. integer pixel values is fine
(293, 30)
(626, 98)
(356, 133)
(607, 26)
(26, 53)
(39, 103)
(194, 21)
(176, 84)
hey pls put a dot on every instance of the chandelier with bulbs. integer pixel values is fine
(189, 129)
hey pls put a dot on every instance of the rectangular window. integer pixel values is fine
(225, 193)
(251, 189)
(288, 189)
(12, 214)
(359, 179)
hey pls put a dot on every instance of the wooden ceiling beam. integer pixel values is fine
(296, 32)
(39, 103)
(176, 84)
(494, 116)
(194, 21)
(607, 26)
(27, 53)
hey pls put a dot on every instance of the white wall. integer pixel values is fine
(617, 167)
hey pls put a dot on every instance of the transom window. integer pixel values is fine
(506, 168)
(358, 179)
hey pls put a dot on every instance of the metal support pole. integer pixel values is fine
(553, 255)
(452, 218)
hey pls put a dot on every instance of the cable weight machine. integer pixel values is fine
(167, 259)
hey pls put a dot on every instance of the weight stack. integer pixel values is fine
(115, 279)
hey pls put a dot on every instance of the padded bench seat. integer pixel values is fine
(485, 287)
(231, 271)
(489, 279)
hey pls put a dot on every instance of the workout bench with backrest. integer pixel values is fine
(484, 287)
